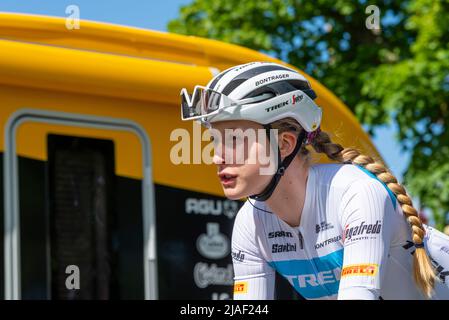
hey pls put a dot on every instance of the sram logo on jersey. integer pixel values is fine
(280, 234)
(278, 248)
(357, 232)
(367, 269)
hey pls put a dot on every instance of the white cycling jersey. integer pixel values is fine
(353, 242)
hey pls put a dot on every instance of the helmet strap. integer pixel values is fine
(282, 166)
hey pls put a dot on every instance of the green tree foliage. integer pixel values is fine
(398, 74)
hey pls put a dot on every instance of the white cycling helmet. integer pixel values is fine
(261, 92)
(258, 91)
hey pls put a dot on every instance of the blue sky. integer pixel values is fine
(154, 14)
(149, 14)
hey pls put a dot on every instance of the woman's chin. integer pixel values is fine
(234, 194)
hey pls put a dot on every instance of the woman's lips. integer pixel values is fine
(227, 180)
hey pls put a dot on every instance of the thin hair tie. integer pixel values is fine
(311, 135)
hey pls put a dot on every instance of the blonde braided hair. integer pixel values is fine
(423, 271)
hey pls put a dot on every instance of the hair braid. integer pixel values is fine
(423, 271)
(424, 274)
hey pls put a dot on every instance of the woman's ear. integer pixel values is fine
(287, 143)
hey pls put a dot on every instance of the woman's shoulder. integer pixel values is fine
(338, 175)
(246, 224)
(344, 180)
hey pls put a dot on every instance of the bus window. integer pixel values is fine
(82, 224)
(77, 215)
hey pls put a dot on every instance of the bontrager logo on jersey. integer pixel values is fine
(238, 256)
(278, 248)
(357, 232)
(327, 242)
(279, 234)
(272, 78)
(367, 269)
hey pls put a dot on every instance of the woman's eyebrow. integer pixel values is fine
(224, 130)
(239, 127)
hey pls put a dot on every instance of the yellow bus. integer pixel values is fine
(92, 207)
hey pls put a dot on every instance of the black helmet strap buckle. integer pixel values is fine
(282, 165)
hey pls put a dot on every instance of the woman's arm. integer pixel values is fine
(367, 214)
(254, 278)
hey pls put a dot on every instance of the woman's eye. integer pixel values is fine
(235, 140)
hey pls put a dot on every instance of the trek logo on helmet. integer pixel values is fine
(277, 106)
(295, 99)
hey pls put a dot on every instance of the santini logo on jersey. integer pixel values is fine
(280, 234)
(278, 248)
(272, 78)
(360, 230)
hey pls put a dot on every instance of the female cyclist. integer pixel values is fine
(346, 230)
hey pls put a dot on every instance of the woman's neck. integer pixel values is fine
(287, 201)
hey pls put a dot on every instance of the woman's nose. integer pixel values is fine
(219, 155)
(218, 159)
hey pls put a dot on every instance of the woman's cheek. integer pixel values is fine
(252, 155)
(251, 178)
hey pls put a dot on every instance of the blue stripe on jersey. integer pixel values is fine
(372, 175)
(315, 278)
